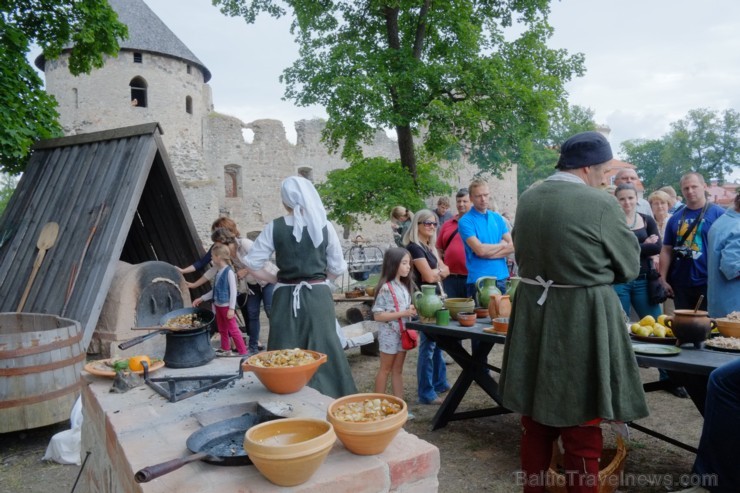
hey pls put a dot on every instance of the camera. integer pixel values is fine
(683, 252)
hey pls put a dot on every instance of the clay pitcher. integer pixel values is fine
(511, 285)
(427, 303)
(485, 287)
(500, 306)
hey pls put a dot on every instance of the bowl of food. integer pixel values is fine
(289, 451)
(285, 371)
(501, 324)
(457, 305)
(728, 327)
(367, 423)
(466, 319)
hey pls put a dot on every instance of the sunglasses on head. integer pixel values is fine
(429, 223)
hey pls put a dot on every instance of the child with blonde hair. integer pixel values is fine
(223, 295)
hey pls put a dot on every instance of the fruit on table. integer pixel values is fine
(662, 318)
(134, 362)
(659, 330)
(648, 320)
(641, 330)
(648, 326)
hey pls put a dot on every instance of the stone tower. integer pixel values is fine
(154, 78)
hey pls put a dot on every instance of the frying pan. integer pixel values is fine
(206, 316)
(220, 443)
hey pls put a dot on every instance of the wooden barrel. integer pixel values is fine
(41, 358)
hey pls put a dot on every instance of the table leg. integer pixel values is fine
(474, 369)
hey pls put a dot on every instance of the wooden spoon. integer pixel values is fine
(46, 240)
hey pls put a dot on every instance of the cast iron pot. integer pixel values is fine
(206, 319)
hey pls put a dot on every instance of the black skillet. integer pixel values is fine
(205, 317)
(220, 443)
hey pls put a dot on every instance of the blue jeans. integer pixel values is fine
(455, 286)
(263, 295)
(635, 293)
(720, 436)
(431, 372)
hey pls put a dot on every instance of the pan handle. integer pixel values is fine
(152, 472)
(140, 339)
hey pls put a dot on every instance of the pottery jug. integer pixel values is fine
(511, 284)
(500, 306)
(485, 287)
(427, 303)
(690, 326)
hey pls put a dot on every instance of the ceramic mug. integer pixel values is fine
(442, 316)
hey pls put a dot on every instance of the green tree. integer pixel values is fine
(88, 27)
(565, 122)
(373, 186)
(7, 187)
(463, 76)
(706, 141)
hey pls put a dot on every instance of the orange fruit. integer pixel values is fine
(134, 363)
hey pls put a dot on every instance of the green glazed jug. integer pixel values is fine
(511, 284)
(485, 287)
(427, 303)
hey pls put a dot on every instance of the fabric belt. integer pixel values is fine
(457, 276)
(293, 282)
(297, 286)
(538, 281)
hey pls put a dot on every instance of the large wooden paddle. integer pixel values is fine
(46, 240)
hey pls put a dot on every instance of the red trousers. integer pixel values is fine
(582, 446)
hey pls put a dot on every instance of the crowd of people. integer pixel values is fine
(584, 260)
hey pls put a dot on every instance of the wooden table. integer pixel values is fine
(474, 364)
(700, 362)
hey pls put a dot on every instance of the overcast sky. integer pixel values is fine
(648, 61)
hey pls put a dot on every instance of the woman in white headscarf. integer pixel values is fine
(307, 254)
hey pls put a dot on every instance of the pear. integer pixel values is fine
(635, 328)
(659, 330)
(661, 319)
(643, 331)
(648, 321)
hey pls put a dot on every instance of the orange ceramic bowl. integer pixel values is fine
(501, 324)
(466, 319)
(284, 379)
(289, 451)
(728, 327)
(367, 437)
(481, 312)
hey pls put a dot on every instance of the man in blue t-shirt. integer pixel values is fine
(683, 259)
(486, 238)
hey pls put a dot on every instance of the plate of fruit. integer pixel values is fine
(109, 367)
(648, 329)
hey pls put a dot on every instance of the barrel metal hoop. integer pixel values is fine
(41, 349)
(46, 396)
(25, 370)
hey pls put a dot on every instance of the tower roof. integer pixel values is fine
(147, 33)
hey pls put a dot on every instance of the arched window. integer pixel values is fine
(232, 181)
(189, 104)
(138, 92)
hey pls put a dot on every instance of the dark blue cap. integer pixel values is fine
(584, 149)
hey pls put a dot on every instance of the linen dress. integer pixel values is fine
(570, 360)
(312, 325)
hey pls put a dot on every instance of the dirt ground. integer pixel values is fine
(476, 455)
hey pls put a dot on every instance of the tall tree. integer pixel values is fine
(472, 77)
(706, 141)
(27, 113)
(566, 121)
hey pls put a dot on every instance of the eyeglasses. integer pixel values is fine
(429, 223)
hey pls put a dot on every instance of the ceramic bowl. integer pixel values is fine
(288, 451)
(371, 437)
(466, 319)
(728, 327)
(457, 305)
(370, 291)
(501, 324)
(284, 379)
(481, 312)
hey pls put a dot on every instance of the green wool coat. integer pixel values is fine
(570, 360)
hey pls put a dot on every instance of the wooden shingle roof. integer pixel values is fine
(114, 196)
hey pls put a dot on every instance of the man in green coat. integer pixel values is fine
(568, 362)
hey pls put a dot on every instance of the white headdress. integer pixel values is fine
(300, 195)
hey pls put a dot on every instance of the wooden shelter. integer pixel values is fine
(115, 197)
